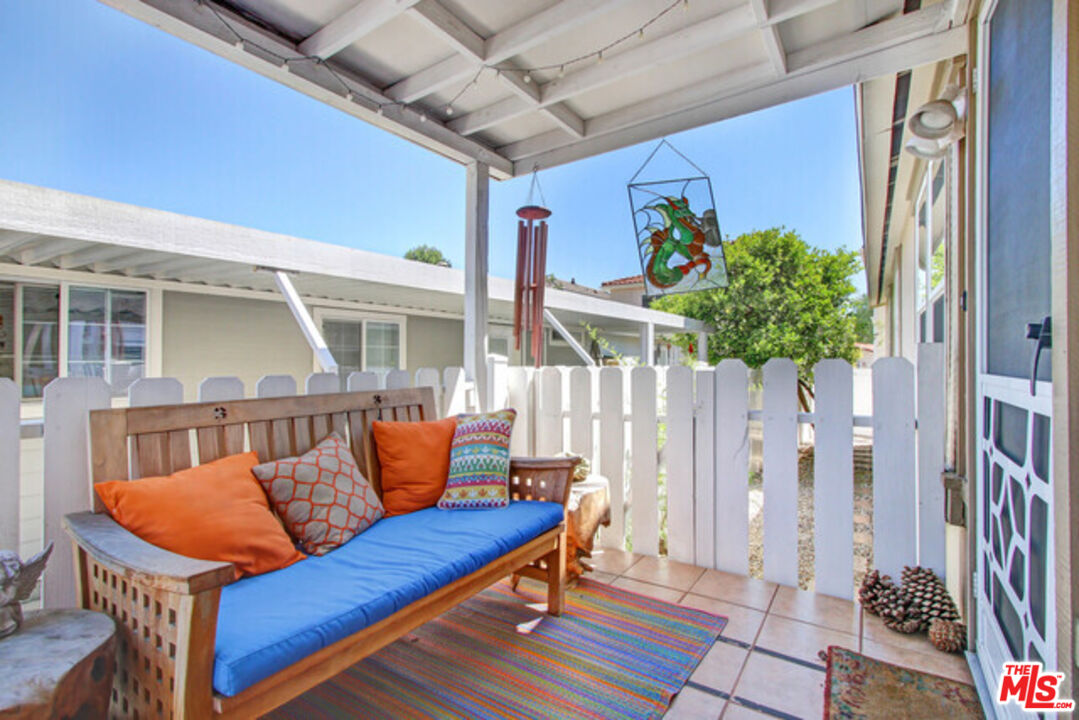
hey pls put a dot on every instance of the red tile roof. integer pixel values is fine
(631, 280)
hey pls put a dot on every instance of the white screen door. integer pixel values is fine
(1014, 581)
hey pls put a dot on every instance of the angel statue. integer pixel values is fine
(17, 581)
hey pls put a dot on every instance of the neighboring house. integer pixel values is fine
(628, 290)
(967, 255)
(99, 288)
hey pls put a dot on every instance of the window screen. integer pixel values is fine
(1018, 290)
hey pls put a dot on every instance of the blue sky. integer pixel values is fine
(95, 102)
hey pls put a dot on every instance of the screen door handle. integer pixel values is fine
(1043, 333)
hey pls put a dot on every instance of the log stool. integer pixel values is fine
(589, 507)
(59, 665)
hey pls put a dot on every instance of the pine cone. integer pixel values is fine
(948, 636)
(878, 593)
(905, 625)
(927, 595)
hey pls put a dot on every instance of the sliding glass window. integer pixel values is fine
(107, 335)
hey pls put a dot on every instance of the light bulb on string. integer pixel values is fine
(562, 71)
(640, 34)
(599, 56)
(449, 109)
(528, 77)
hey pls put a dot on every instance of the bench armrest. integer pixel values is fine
(542, 478)
(148, 565)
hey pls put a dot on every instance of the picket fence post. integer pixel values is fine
(833, 478)
(548, 411)
(612, 438)
(731, 440)
(220, 389)
(644, 509)
(430, 377)
(894, 479)
(67, 484)
(931, 416)
(704, 469)
(271, 386)
(397, 379)
(361, 381)
(322, 383)
(520, 397)
(681, 531)
(780, 416)
(580, 412)
(10, 520)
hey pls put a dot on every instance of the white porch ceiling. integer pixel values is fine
(399, 64)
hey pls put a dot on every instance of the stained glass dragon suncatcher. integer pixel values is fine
(677, 233)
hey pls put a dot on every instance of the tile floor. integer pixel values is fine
(765, 663)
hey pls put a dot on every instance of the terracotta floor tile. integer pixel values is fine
(735, 588)
(655, 591)
(599, 576)
(742, 622)
(662, 571)
(781, 685)
(720, 667)
(873, 628)
(612, 561)
(693, 704)
(829, 612)
(734, 711)
(949, 665)
(801, 640)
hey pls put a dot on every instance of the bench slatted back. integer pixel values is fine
(130, 443)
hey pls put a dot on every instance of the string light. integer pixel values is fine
(243, 43)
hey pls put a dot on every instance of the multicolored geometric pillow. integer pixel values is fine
(479, 462)
(322, 497)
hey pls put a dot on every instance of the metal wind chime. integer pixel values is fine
(531, 272)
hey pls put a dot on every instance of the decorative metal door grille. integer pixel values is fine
(1015, 522)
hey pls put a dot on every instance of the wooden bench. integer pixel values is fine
(166, 604)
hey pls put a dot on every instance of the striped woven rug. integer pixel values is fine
(613, 654)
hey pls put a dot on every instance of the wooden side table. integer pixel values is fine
(59, 665)
(589, 507)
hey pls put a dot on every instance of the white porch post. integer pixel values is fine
(476, 218)
(702, 347)
(648, 344)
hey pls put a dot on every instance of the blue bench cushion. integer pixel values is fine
(268, 622)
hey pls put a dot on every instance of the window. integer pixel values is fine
(931, 231)
(40, 338)
(105, 331)
(364, 344)
(107, 335)
(383, 346)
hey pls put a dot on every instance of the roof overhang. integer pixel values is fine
(45, 228)
(890, 175)
(399, 64)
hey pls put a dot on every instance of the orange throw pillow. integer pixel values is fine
(215, 511)
(415, 461)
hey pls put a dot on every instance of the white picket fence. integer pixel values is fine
(613, 416)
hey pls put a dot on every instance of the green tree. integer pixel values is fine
(427, 254)
(785, 299)
(863, 319)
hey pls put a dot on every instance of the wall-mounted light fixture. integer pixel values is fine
(937, 124)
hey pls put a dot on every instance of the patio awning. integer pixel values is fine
(48, 229)
(497, 82)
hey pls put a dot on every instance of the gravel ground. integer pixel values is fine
(863, 526)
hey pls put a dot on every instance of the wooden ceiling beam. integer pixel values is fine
(514, 40)
(641, 58)
(359, 20)
(887, 47)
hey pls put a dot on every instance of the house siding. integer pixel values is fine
(208, 335)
